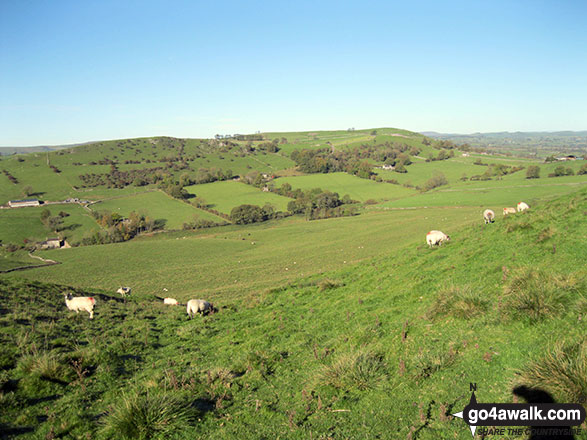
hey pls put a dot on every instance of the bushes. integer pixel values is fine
(435, 182)
(245, 214)
(533, 172)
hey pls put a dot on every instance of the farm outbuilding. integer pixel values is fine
(53, 243)
(23, 203)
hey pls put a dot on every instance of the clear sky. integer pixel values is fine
(74, 71)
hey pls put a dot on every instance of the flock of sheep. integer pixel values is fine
(87, 303)
(436, 238)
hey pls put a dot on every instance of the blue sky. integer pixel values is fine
(74, 71)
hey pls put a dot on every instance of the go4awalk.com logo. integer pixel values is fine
(540, 416)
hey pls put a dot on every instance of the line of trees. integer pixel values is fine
(119, 229)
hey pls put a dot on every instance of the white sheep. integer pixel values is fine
(124, 291)
(198, 306)
(80, 303)
(170, 301)
(436, 238)
(507, 211)
(522, 206)
(488, 216)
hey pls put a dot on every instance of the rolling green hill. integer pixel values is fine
(384, 347)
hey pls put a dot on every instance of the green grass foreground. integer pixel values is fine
(381, 349)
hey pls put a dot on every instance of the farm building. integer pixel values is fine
(388, 167)
(23, 203)
(52, 243)
(565, 158)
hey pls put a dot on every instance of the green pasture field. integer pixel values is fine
(229, 262)
(492, 194)
(343, 183)
(420, 171)
(19, 224)
(223, 196)
(158, 206)
(383, 348)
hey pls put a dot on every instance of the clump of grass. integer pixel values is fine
(519, 225)
(429, 361)
(327, 285)
(43, 364)
(537, 295)
(562, 371)
(360, 369)
(458, 301)
(144, 416)
(546, 234)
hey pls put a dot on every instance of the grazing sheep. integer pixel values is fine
(124, 291)
(198, 306)
(170, 301)
(80, 303)
(488, 216)
(507, 211)
(522, 206)
(436, 238)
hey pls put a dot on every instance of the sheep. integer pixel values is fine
(170, 301)
(198, 306)
(80, 303)
(522, 206)
(507, 211)
(124, 291)
(488, 216)
(436, 238)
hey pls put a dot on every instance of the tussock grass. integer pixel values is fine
(328, 284)
(561, 371)
(431, 360)
(518, 226)
(360, 369)
(536, 295)
(46, 365)
(458, 301)
(149, 415)
(546, 234)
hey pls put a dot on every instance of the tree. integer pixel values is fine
(582, 170)
(435, 182)
(399, 168)
(45, 214)
(245, 214)
(558, 171)
(533, 172)
(28, 190)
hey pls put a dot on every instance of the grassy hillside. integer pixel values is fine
(223, 196)
(233, 261)
(158, 206)
(384, 348)
(17, 225)
(343, 183)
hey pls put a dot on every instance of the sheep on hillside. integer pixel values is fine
(507, 211)
(522, 206)
(199, 306)
(436, 238)
(170, 301)
(80, 303)
(124, 291)
(488, 216)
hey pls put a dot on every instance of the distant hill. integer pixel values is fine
(533, 144)
(5, 151)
